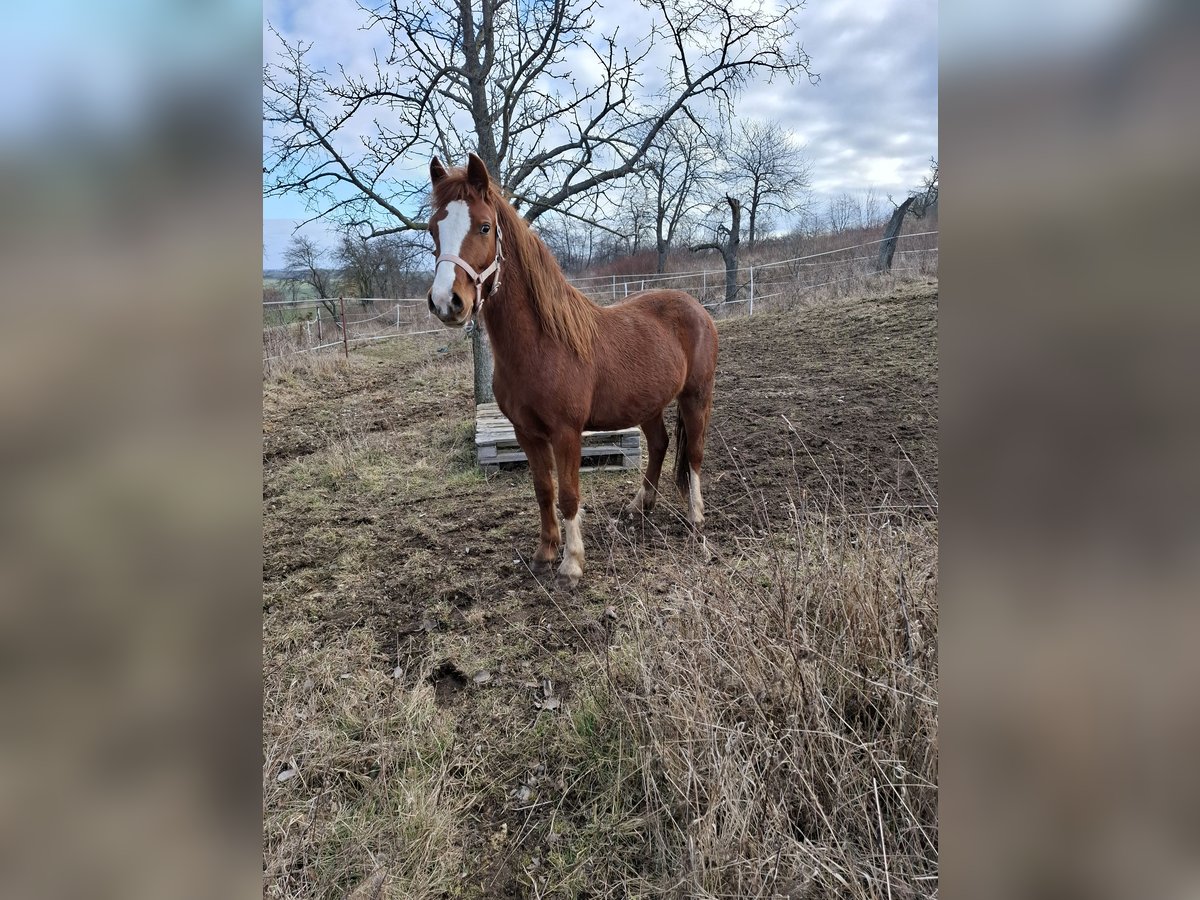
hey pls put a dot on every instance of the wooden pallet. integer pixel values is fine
(496, 443)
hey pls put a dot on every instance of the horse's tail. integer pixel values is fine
(681, 454)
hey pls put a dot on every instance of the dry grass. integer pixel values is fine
(759, 724)
(765, 728)
(779, 694)
(283, 365)
(370, 786)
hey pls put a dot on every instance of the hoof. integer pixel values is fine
(640, 505)
(542, 566)
(568, 577)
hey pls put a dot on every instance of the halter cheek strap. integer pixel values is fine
(480, 277)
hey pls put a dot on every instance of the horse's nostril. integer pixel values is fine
(432, 308)
(456, 302)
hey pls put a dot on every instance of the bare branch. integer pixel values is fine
(500, 78)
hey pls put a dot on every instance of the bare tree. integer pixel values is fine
(638, 217)
(872, 208)
(925, 197)
(570, 240)
(383, 267)
(494, 78)
(728, 248)
(891, 234)
(678, 169)
(770, 169)
(920, 203)
(843, 213)
(504, 78)
(304, 261)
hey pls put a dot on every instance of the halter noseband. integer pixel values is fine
(479, 277)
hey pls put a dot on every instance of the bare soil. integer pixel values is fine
(378, 524)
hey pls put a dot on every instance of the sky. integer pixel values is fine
(871, 122)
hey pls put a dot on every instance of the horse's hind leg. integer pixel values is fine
(693, 412)
(656, 445)
(541, 466)
(566, 455)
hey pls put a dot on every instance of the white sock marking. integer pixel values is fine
(695, 501)
(572, 563)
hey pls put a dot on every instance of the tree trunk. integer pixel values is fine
(662, 258)
(891, 234)
(731, 251)
(481, 350)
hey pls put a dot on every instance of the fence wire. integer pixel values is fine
(305, 326)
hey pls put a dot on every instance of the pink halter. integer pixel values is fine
(479, 277)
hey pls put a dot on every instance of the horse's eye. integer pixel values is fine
(485, 228)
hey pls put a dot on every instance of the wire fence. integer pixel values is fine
(296, 327)
(309, 326)
(810, 277)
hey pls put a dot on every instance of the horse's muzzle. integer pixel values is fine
(454, 315)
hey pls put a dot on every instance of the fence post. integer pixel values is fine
(751, 292)
(614, 287)
(703, 285)
(345, 337)
(627, 289)
(320, 340)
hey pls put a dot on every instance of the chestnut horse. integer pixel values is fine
(563, 364)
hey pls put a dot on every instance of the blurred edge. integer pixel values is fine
(130, 242)
(1069, 439)
(130, 238)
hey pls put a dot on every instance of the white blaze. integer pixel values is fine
(452, 231)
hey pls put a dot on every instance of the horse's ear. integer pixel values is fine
(477, 174)
(436, 170)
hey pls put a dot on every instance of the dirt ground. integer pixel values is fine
(391, 562)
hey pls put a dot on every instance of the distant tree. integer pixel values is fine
(381, 267)
(919, 203)
(925, 197)
(636, 218)
(891, 234)
(728, 240)
(571, 241)
(304, 261)
(771, 171)
(678, 170)
(843, 213)
(872, 209)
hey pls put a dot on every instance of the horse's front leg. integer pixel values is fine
(541, 465)
(566, 456)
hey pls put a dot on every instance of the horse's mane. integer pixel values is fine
(565, 314)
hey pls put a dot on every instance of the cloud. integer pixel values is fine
(872, 119)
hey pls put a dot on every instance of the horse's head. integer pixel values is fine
(466, 240)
